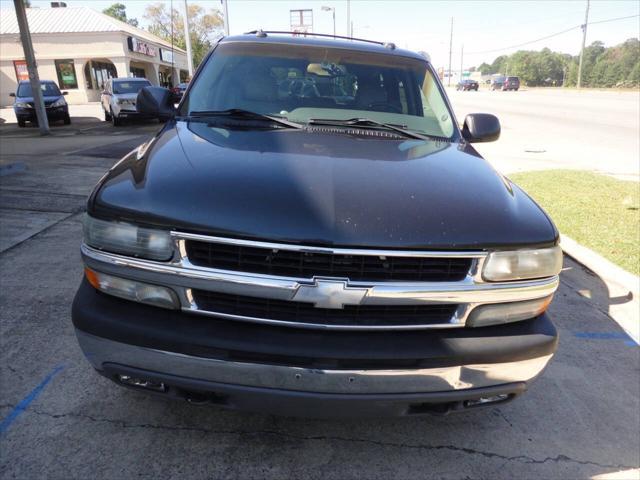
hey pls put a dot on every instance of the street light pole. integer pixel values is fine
(584, 39)
(349, 24)
(450, 48)
(333, 10)
(187, 38)
(32, 67)
(225, 12)
(461, 61)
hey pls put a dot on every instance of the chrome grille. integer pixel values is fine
(306, 313)
(301, 264)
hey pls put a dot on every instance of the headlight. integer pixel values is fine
(132, 290)
(499, 313)
(124, 101)
(127, 239)
(59, 103)
(23, 105)
(522, 264)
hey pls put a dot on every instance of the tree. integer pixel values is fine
(119, 12)
(203, 27)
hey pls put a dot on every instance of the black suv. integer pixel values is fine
(341, 252)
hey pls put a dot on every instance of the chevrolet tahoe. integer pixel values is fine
(342, 251)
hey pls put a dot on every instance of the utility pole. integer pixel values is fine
(584, 39)
(225, 12)
(461, 61)
(32, 67)
(187, 38)
(349, 23)
(450, 47)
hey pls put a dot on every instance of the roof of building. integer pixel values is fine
(73, 20)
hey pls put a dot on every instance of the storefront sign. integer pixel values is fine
(166, 55)
(21, 70)
(139, 46)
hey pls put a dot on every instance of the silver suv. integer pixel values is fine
(119, 98)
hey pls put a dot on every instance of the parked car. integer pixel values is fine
(306, 256)
(467, 84)
(119, 99)
(178, 90)
(511, 83)
(54, 103)
(497, 83)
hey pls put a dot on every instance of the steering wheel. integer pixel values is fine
(384, 107)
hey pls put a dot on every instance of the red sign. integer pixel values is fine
(21, 70)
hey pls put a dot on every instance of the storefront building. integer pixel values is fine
(80, 49)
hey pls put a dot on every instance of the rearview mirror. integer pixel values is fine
(481, 127)
(155, 102)
(12, 94)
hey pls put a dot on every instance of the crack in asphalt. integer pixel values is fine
(470, 451)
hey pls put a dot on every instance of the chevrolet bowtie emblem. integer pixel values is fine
(326, 293)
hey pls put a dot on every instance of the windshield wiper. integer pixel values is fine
(239, 113)
(367, 122)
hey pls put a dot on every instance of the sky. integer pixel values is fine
(482, 30)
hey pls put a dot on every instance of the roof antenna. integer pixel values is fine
(260, 33)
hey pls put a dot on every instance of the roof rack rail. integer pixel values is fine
(264, 33)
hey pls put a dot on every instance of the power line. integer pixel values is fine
(552, 35)
(527, 43)
(614, 19)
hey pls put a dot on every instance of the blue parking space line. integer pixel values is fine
(26, 401)
(607, 336)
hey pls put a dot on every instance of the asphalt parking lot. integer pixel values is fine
(61, 420)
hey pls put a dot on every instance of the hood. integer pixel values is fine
(315, 188)
(48, 99)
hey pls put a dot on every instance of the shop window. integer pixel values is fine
(184, 76)
(97, 74)
(165, 79)
(66, 71)
(137, 72)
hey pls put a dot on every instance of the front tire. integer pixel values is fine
(22, 123)
(67, 119)
(115, 120)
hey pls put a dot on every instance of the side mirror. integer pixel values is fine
(65, 93)
(12, 94)
(481, 127)
(155, 102)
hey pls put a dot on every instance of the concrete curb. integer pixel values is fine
(613, 276)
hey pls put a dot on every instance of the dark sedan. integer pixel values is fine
(467, 85)
(54, 102)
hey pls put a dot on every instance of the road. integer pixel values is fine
(550, 128)
(61, 420)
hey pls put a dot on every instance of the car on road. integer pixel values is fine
(178, 90)
(342, 253)
(511, 83)
(467, 84)
(54, 103)
(119, 99)
(497, 83)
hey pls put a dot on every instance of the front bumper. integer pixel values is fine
(309, 373)
(29, 114)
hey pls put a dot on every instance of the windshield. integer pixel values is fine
(300, 83)
(130, 87)
(48, 90)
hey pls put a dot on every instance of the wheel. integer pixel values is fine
(107, 116)
(115, 120)
(67, 119)
(22, 123)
